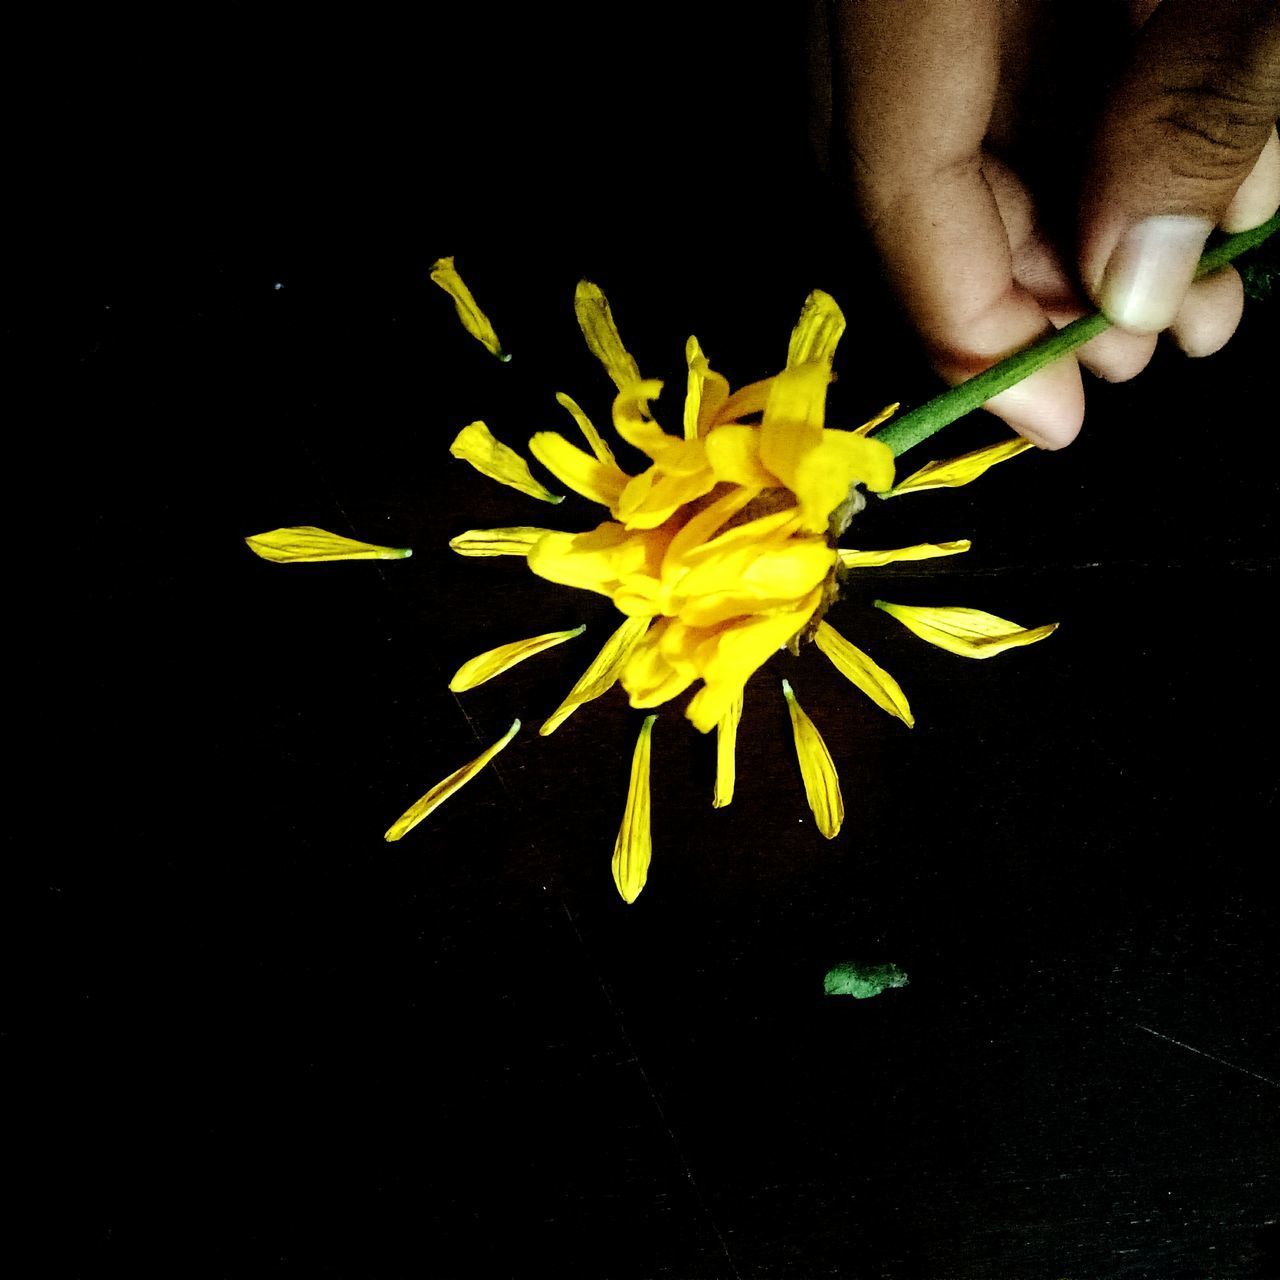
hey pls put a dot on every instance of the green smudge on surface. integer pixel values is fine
(862, 981)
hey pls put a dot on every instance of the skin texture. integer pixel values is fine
(1014, 172)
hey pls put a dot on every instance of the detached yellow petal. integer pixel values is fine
(970, 633)
(306, 542)
(726, 754)
(883, 416)
(495, 661)
(601, 482)
(478, 445)
(443, 790)
(474, 321)
(601, 675)
(952, 473)
(817, 331)
(921, 551)
(516, 540)
(595, 319)
(634, 847)
(595, 441)
(821, 784)
(868, 675)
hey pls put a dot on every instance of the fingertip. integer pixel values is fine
(1047, 408)
(1210, 314)
(1117, 356)
(1258, 196)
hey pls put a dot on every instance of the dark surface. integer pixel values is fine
(272, 1044)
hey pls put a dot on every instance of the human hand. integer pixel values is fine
(933, 105)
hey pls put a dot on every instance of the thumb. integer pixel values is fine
(1183, 130)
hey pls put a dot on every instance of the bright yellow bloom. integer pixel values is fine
(718, 553)
(726, 590)
(817, 770)
(478, 445)
(306, 542)
(495, 661)
(474, 321)
(969, 633)
(438, 794)
(634, 847)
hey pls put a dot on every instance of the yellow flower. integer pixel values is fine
(721, 551)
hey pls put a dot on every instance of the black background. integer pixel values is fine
(269, 1043)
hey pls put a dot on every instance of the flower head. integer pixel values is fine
(719, 552)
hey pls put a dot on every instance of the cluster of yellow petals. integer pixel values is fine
(720, 552)
(725, 587)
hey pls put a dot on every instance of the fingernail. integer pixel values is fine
(1151, 270)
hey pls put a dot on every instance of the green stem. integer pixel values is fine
(919, 424)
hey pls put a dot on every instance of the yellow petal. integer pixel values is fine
(953, 472)
(655, 496)
(443, 790)
(601, 675)
(705, 392)
(733, 653)
(751, 580)
(696, 531)
(495, 661)
(595, 319)
(883, 416)
(516, 540)
(601, 482)
(821, 784)
(794, 412)
(478, 445)
(817, 465)
(921, 551)
(823, 476)
(726, 753)
(771, 529)
(601, 559)
(970, 633)
(634, 847)
(745, 401)
(474, 321)
(650, 677)
(632, 422)
(306, 542)
(595, 441)
(817, 331)
(868, 675)
(733, 451)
